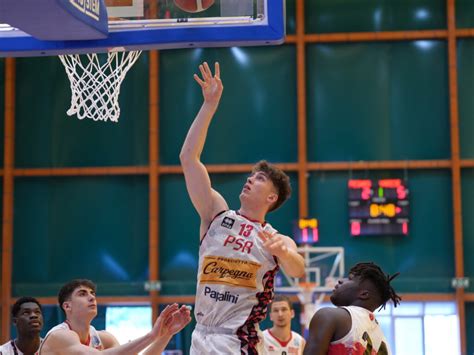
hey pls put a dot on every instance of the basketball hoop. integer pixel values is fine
(305, 295)
(95, 83)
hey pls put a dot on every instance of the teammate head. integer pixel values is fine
(367, 286)
(27, 315)
(281, 311)
(77, 298)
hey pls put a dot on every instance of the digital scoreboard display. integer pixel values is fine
(378, 207)
(305, 231)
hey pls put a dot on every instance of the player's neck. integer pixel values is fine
(28, 343)
(281, 333)
(81, 327)
(252, 213)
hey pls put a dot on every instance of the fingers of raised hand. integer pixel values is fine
(199, 81)
(264, 236)
(167, 313)
(217, 70)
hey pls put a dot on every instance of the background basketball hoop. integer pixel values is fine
(95, 83)
(321, 263)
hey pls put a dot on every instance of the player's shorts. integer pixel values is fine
(218, 341)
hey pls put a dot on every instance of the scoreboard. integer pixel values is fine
(378, 207)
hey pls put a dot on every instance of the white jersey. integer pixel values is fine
(274, 346)
(235, 279)
(94, 340)
(365, 336)
(10, 348)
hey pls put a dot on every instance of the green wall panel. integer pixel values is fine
(257, 115)
(464, 13)
(467, 188)
(87, 227)
(324, 16)
(179, 232)
(466, 103)
(290, 16)
(470, 327)
(425, 258)
(179, 237)
(47, 137)
(378, 101)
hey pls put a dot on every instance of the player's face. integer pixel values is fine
(29, 319)
(258, 190)
(281, 314)
(346, 291)
(83, 301)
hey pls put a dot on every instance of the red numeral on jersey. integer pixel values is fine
(245, 230)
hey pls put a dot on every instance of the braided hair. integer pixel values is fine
(372, 272)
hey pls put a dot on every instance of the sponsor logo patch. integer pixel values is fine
(228, 222)
(221, 296)
(228, 271)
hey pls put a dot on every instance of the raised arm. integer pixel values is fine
(206, 200)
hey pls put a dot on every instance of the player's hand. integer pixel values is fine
(171, 321)
(274, 244)
(211, 85)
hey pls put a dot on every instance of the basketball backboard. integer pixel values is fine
(324, 267)
(54, 27)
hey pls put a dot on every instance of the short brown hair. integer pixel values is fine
(281, 298)
(278, 178)
(66, 291)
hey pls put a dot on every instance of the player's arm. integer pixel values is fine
(321, 331)
(171, 326)
(206, 200)
(284, 248)
(108, 340)
(67, 342)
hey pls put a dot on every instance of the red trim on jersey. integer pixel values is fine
(88, 341)
(251, 220)
(247, 333)
(209, 226)
(282, 343)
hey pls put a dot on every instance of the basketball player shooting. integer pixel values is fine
(239, 252)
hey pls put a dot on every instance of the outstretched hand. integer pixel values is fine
(274, 244)
(171, 320)
(211, 85)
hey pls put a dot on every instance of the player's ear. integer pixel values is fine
(66, 306)
(272, 198)
(292, 313)
(364, 294)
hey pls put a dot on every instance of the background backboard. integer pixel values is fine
(52, 27)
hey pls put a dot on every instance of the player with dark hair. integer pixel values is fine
(352, 327)
(27, 316)
(76, 335)
(239, 252)
(280, 339)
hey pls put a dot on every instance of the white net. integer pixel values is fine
(95, 84)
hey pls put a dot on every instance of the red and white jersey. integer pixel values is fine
(94, 340)
(236, 276)
(273, 346)
(10, 348)
(365, 336)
